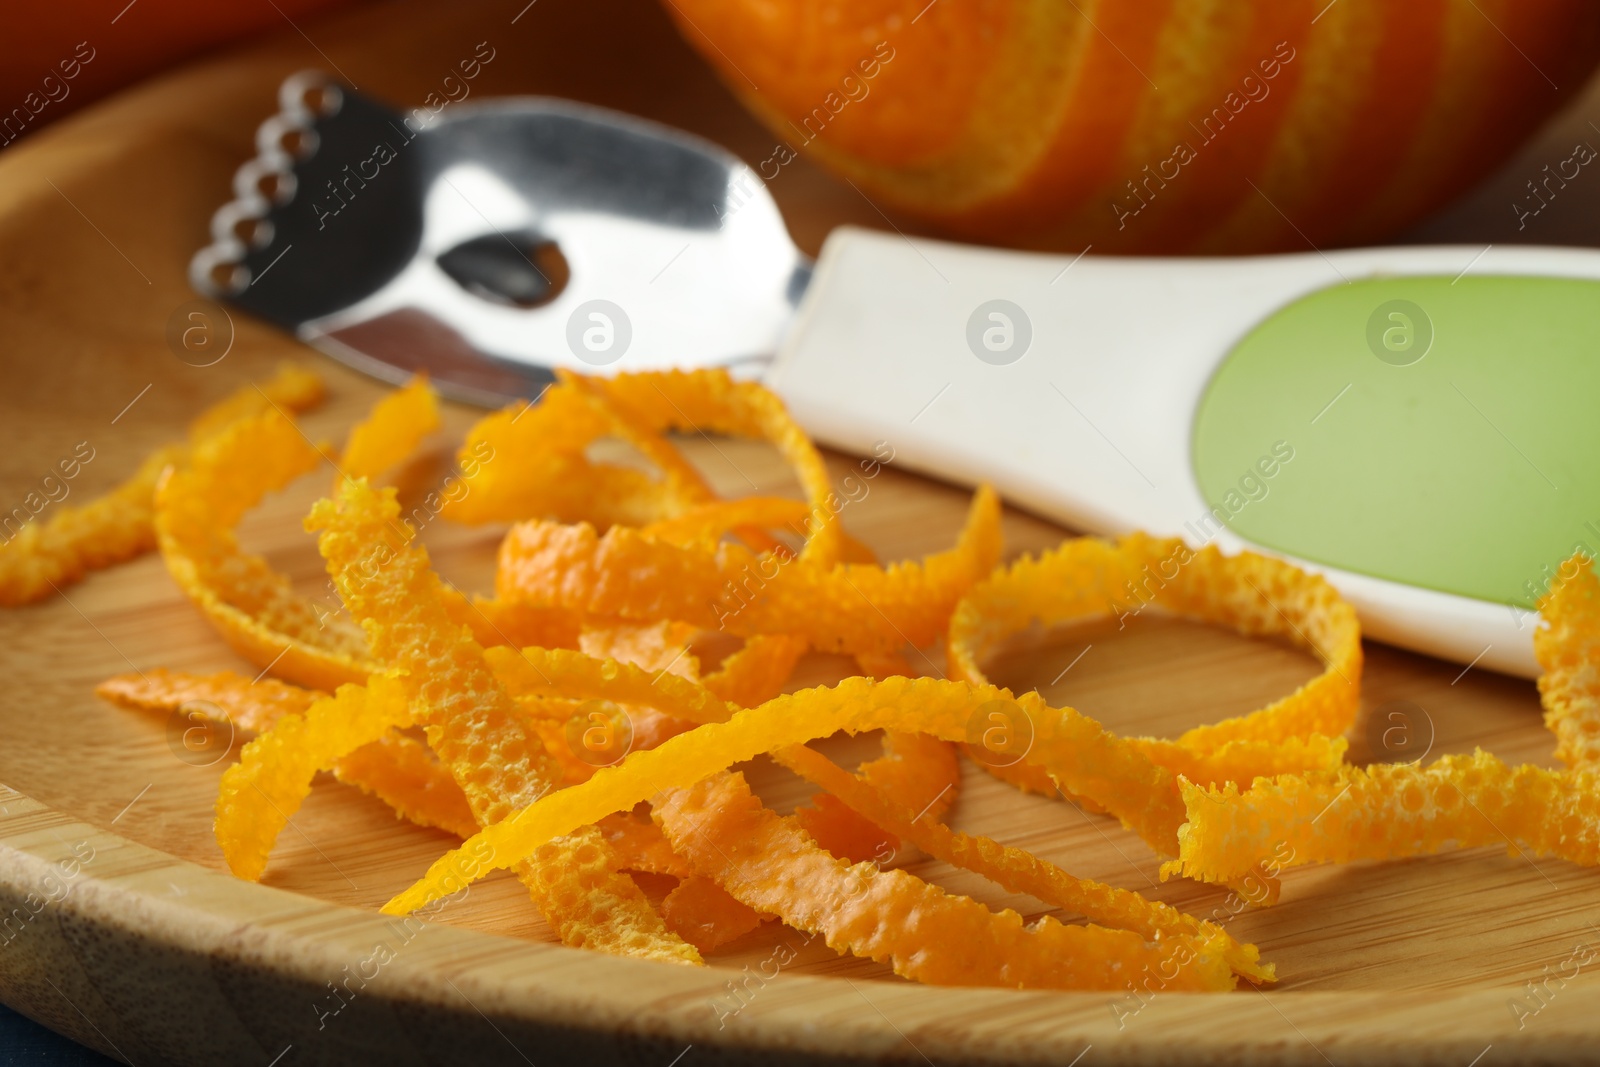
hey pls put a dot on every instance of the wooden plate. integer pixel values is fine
(147, 949)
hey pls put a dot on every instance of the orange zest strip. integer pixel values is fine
(550, 475)
(891, 916)
(698, 909)
(1255, 595)
(703, 526)
(1390, 811)
(555, 672)
(396, 769)
(1568, 650)
(495, 622)
(1082, 755)
(639, 845)
(841, 830)
(253, 706)
(710, 401)
(1244, 760)
(254, 608)
(473, 725)
(401, 772)
(554, 478)
(261, 792)
(41, 557)
(1021, 872)
(199, 503)
(921, 773)
(392, 431)
(756, 673)
(917, 770)
(849, 607)
(703, 914)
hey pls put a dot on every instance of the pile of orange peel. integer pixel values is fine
(566, 728)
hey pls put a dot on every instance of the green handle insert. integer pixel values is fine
(1442, 433)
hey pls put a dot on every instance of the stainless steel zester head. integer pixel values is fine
(490, 244)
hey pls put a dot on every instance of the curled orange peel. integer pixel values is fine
(923, 705)
(920, 772)
(604, 587)
(1022, 872)
(844, 607)
(1076, 750)
(75, 539)
(261, 792)
(251, 605)
(639, 845)
(392, 431)
(1390, 811)
(472, 724)
(706, 524)
(396, 769)
(199, 505)
(757, 671)
(552, 475)
(704, 914)
(1568, 650)
(556, 479)
(555, 672)
(400, 771)
(922, 931)
(1255, 595)
(251, 705)
(698, 909)
(711, 401)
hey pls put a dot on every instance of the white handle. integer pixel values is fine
(1071, 386)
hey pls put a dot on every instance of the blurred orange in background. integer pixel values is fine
(1128, 125)
(58, 55)
(1153, 125)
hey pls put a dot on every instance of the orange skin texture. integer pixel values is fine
(1390, 811)
(626, 572)
(473, 726)
(1024, 122)
(199, 502)
(398, 770)
(1014, 868)
(1569, 654)
(703, 914)
(924, 932)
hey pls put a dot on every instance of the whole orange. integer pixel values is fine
(1152, 125)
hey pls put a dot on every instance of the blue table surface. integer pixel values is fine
(25, 1043)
